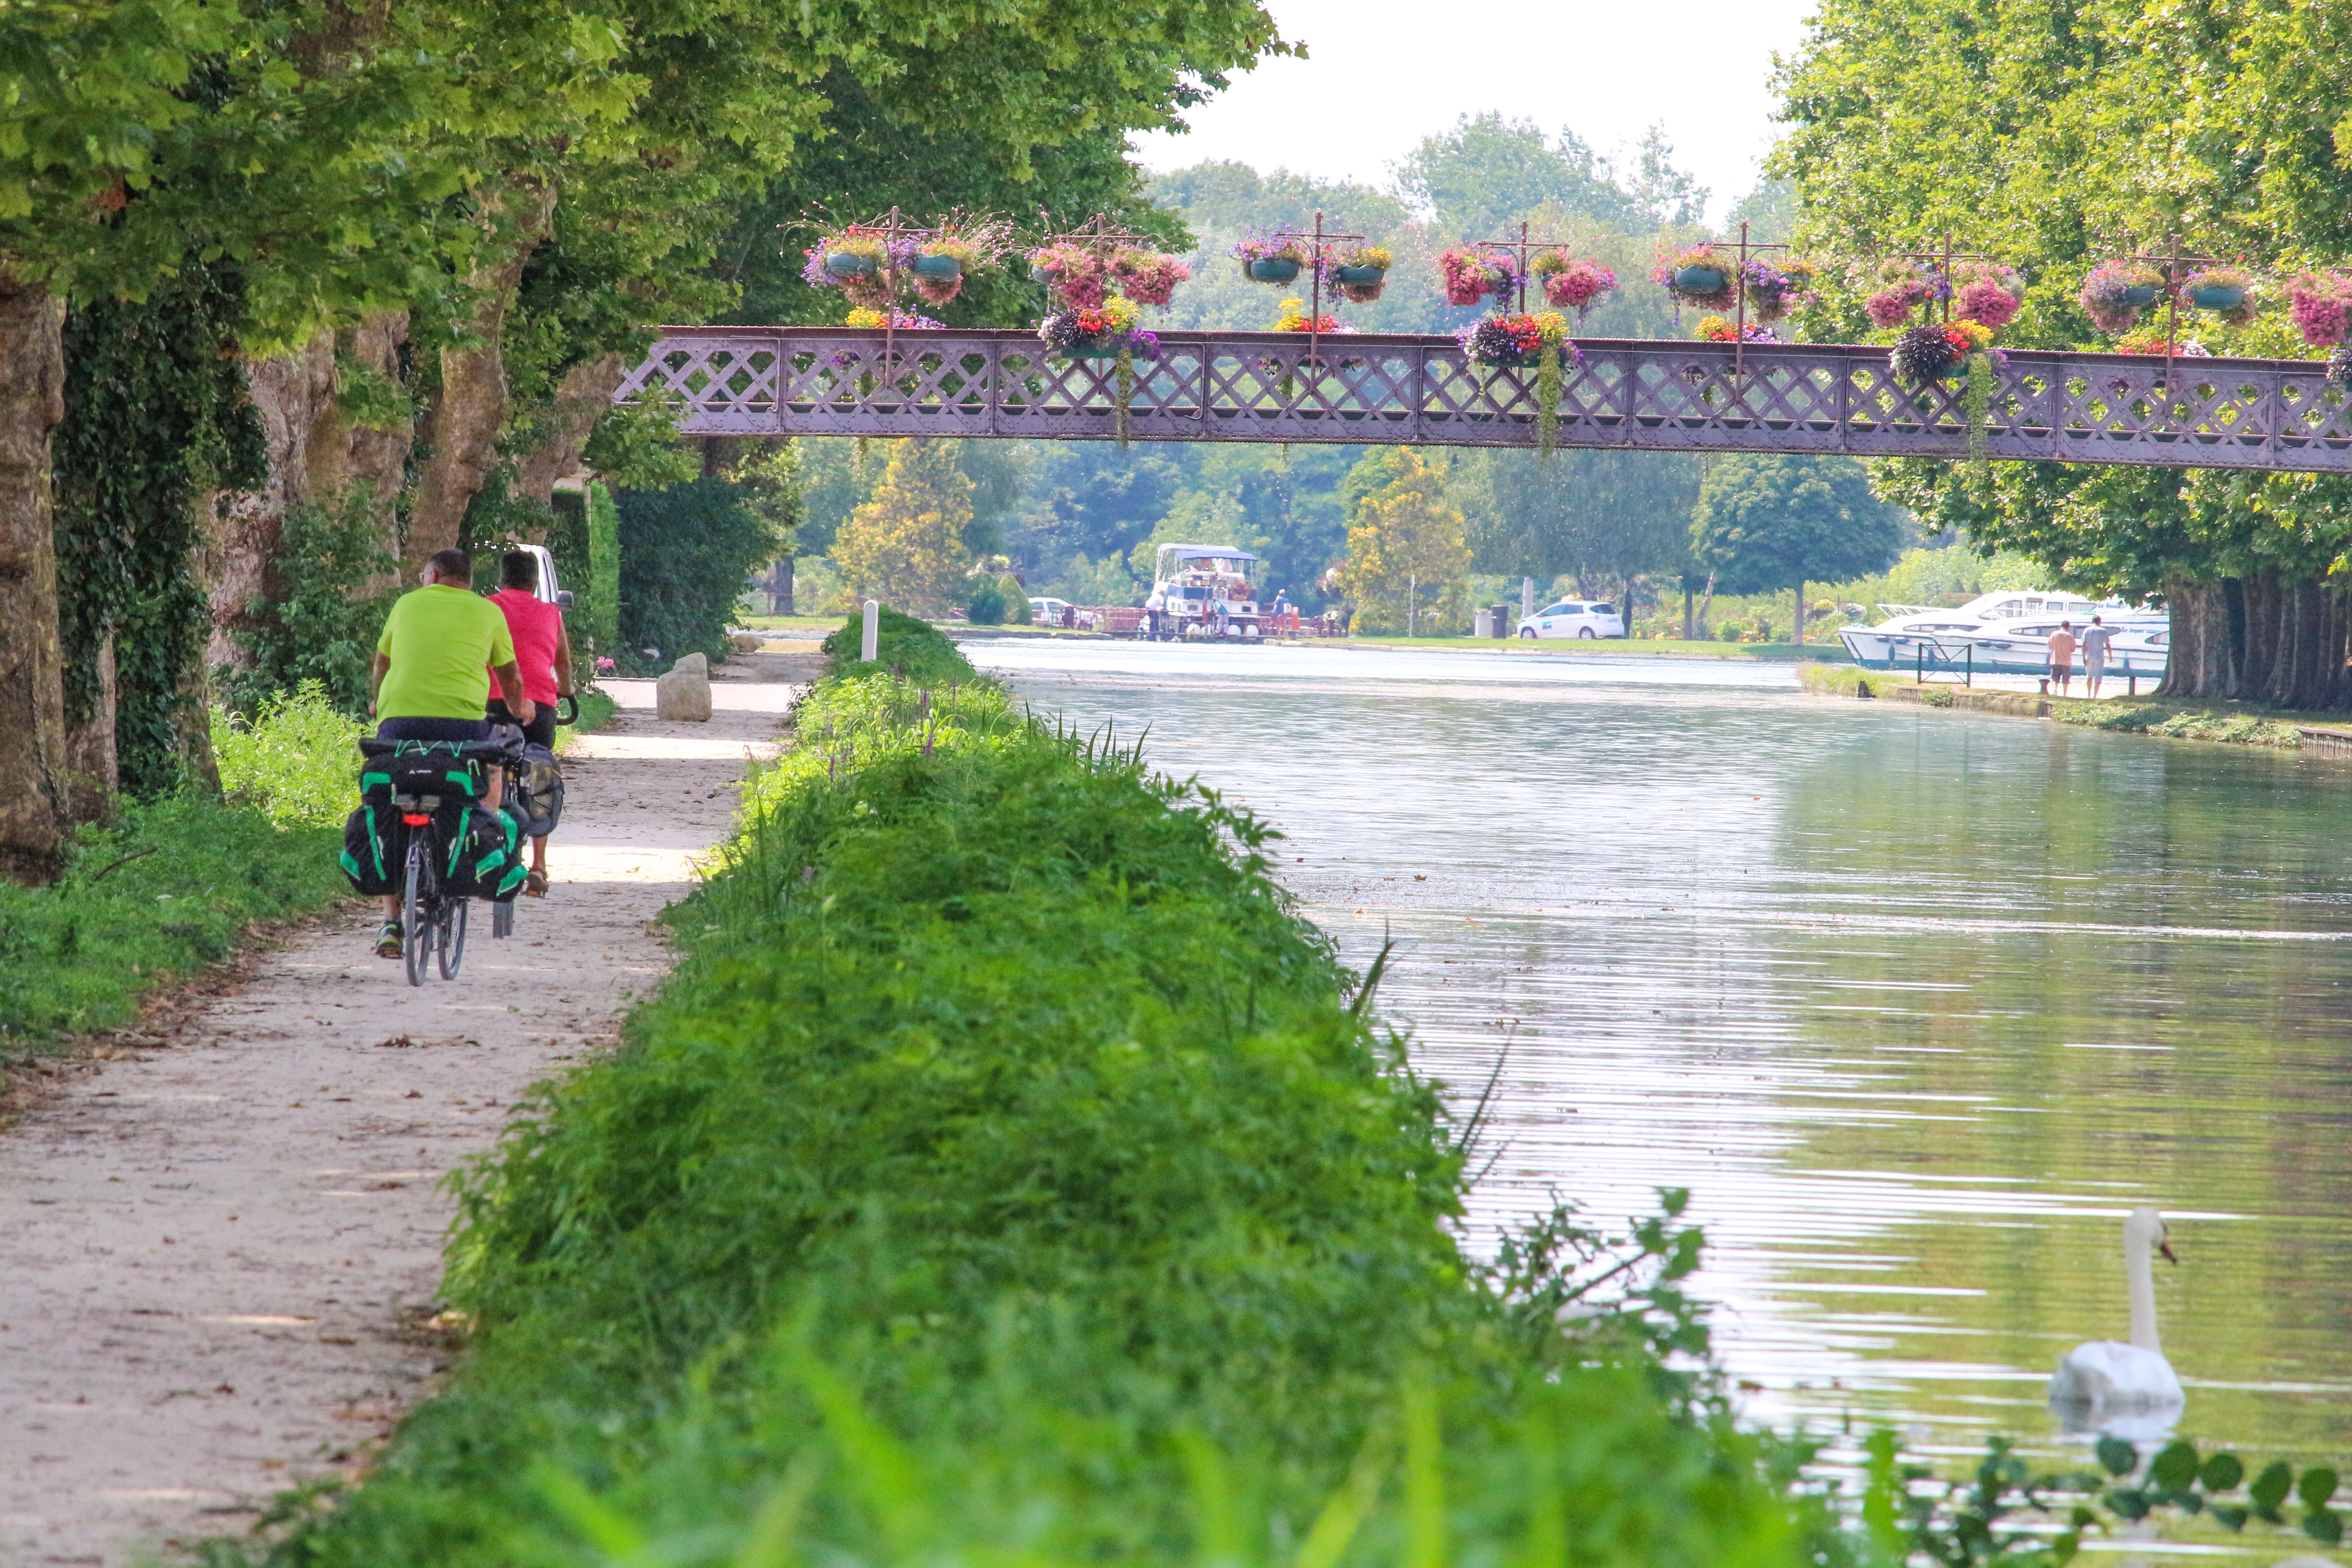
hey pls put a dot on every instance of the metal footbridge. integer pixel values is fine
(2280, 415)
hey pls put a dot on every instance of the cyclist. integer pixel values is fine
(543, 651)
(440, 646)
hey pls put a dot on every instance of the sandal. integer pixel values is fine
(534, 885)
(388, 939)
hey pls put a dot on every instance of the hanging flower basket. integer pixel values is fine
(1928, 353)
(2225, 292)
(1573, 283)
(1270, 258)
(1519, 341)
(1695, 275)
(939, 265)
(1718, 330)
(1903, 287)
(2115, 292)
(1989, 292)
(2321, 305)
(1103, 331)
(1776, 288)
(1469, 276)
(849, 264)
(1146, 277)
(1359, 272)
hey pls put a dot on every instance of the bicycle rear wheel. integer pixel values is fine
(415, 925)
(453, 936)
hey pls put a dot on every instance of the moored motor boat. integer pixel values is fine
(2007, 633)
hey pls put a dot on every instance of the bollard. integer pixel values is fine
(871, 647)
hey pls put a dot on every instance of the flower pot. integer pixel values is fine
(1357, 277)
(1701, 280)
(1273, 270)
(2140, 296)
(848, 264)
(2218, 296)
(938, 267)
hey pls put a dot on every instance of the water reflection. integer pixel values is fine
(1918, 1005)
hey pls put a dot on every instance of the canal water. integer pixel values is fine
(1916, 1004)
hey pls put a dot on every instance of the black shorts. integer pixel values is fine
(433, 729)
(540, 732)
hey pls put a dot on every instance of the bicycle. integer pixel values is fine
(432, 923)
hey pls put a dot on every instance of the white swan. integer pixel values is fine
(2105, 1375)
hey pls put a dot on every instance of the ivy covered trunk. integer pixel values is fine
(32, 697)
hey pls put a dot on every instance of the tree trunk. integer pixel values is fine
(32, 684)
(2262, 606)
(90, 774)
(584, 397)
(784, 586)
(2186, 655)
(316, 456)
(1706, 607)
(1687, 610)
(1800, 612)
(461, 428)
(295, 396)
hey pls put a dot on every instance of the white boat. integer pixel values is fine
(2007, 633)
(1204, 591)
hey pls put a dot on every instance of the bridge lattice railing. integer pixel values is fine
(2279, 415)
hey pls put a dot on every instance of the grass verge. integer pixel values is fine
(2225, 723)
(1006, 1174)
(170, 887)
(596, 711)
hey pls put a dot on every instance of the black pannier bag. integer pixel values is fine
(536, 792)
(441, 780)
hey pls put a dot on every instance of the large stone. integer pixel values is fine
(683, 696)
(745, 642)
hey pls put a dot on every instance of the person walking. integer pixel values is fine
(2096, 639)
(2061, 655)
(1154, 606)
(441, 648)
(544, 651)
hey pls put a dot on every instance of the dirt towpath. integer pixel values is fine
(218, 1259)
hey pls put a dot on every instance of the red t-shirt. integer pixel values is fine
(537, 627)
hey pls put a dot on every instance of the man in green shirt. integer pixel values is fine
(432, 678)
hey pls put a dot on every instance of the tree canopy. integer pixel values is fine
(1764, 523)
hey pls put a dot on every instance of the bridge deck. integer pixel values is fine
(2277, 414)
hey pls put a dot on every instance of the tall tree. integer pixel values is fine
(1407, 565)
(1766, 523)
(905, 546)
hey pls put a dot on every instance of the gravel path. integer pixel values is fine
(218, 1255)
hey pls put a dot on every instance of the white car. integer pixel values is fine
(1574, 618)
(1048, 612)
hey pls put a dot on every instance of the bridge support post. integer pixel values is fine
(870, 645)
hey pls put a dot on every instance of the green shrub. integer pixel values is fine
(296, 760)
(984, 603)
(684, 555)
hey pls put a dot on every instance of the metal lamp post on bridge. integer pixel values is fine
(1318, 241)
(2170, 265)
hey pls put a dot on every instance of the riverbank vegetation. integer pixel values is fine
(1006, 1164)
(2228, 723)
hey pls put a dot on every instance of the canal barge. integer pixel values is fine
(1201, 592)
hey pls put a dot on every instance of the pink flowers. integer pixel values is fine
(1573, 281)
(1469, 276)
(1892, 307)
(2321, 305)
(1147, 278)
(1988, 302)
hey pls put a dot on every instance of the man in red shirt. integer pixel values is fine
(544, 651)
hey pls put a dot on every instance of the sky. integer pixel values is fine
(1382, 74)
